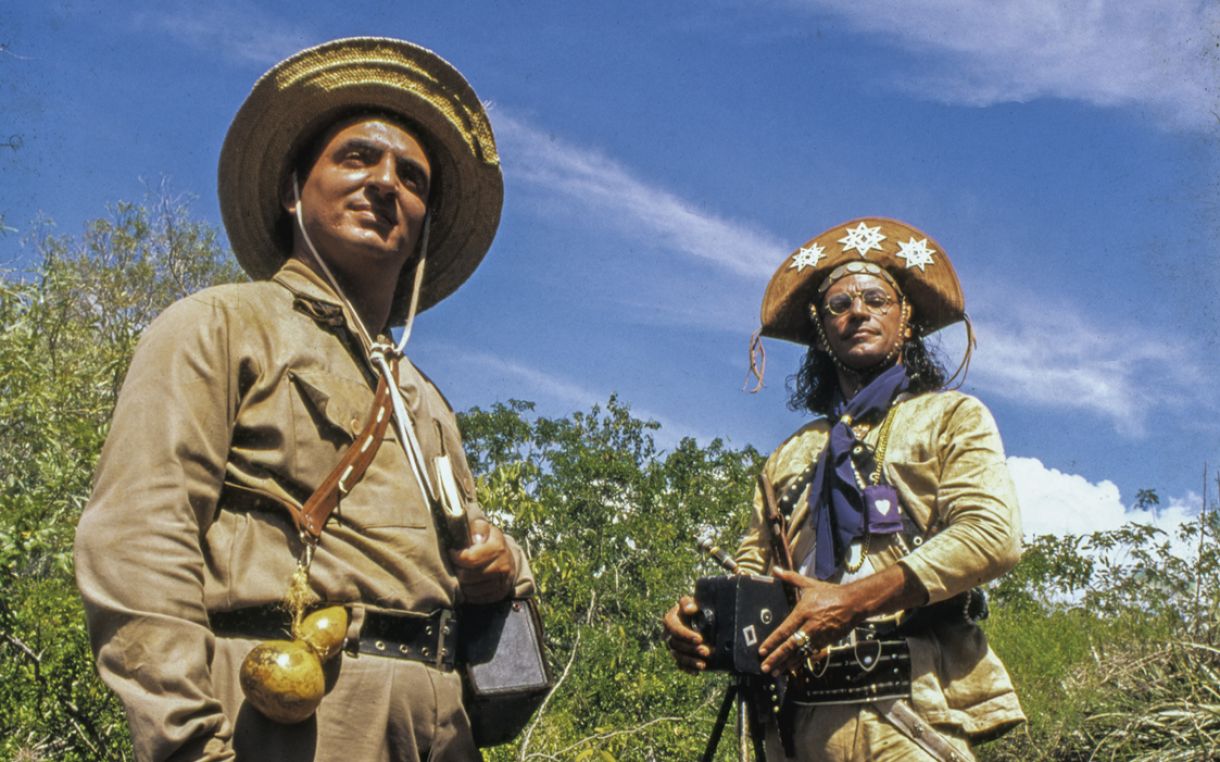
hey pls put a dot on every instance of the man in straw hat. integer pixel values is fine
(893, 506)
(349, 167)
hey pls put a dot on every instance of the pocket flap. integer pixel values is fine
(342, 403)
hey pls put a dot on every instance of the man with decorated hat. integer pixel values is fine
(359, 184)
(894, 506)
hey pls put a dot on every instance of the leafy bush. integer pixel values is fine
(1111, 641)
(610, 524)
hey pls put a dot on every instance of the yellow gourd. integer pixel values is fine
(283, 679)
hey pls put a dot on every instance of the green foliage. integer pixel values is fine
(1111, 641)
(610, 524)
(68, 330)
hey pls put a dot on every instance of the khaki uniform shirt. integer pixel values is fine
(240, 398)
(946, 460)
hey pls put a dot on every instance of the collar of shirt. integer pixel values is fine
(318, 300)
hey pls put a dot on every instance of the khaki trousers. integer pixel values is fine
(376, 710)
(851, 733)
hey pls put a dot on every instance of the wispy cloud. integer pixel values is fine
(1049, 355)
(560, 394)
(607, 192)
(238, 32)
(1158, 54)
(1037, 353)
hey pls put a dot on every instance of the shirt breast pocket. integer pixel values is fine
(328, 414)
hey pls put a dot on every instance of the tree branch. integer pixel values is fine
(529, 731)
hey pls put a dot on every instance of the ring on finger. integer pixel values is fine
(801, 639)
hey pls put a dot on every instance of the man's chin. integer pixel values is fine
(369, 246)
(861, 361)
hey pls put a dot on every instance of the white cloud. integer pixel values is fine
(1159, 54)
(1044, 353)
(607, 193)
(1058, 503)
(552, 387)
(240, 33)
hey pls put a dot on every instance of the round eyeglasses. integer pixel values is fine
(874, 301)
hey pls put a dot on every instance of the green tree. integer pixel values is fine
(611, 523)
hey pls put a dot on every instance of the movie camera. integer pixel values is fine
(736, 614)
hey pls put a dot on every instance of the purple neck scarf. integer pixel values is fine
(836, 502)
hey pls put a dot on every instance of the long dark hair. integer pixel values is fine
(813, 386)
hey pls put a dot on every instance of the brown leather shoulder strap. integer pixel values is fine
(776, 524)
(317, 509)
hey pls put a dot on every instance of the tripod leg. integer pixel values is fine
(721, 718)
(743, 728)
(751, 727)
(760, 744)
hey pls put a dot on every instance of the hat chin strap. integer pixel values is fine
(416, 286)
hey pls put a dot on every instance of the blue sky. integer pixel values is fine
(662, 159)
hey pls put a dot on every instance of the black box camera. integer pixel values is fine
(736, 614)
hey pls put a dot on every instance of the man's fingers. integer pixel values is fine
(690, 664)
(480, 530)
(486, 570)
(783, 574)
(686, 648)
(780, 634)
(483, 577)
(684, 643)
(481, 553)
(486, 590)
(779, 657)
(676, 628)
(484, 594)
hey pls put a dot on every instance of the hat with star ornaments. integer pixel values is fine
(912, 259)
(903, 255)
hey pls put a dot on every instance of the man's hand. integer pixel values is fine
(823, 612)
(486, 569)
(685, 644)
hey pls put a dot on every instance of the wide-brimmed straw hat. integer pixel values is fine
(915, 261)
(304, 94)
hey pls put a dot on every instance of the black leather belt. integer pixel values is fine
(862, 668)
(874, 661)
(430, 639)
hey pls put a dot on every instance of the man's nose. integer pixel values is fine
(383, 176)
